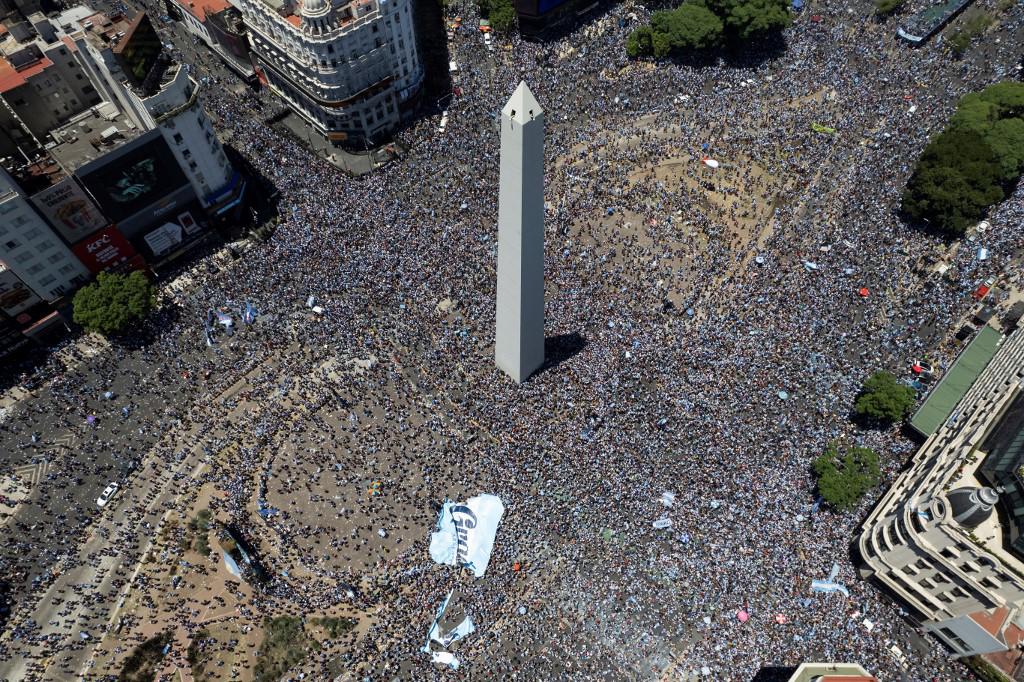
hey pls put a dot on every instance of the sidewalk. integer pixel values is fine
(353, 163)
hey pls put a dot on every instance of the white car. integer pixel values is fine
(444, 122)
(107, 493)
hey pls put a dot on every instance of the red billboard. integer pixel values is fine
(107, 250)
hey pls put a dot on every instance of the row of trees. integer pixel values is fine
(706, 24)
(974, 163)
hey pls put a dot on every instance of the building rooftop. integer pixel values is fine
(939, 405)
(200, 9)
(37, 176)
(831, 672)
(89, 137)
(11, 78)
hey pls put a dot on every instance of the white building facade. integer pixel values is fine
(349, 68)
(935, 539)
(32, 250)
(175, 111)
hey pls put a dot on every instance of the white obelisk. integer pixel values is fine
(519, 334)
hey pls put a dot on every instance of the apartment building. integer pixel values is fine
(349, 68)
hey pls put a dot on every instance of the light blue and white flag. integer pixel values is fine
(465, 533)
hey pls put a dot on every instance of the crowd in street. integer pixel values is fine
(710, 349)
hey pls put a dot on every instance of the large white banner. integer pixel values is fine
(465, 533)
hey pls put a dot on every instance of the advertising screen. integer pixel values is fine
(137, 51)
(105, 250)
(69, 210)
(15, 297)
(132, 181)
(548, 5)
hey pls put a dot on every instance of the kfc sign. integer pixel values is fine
(69, 210)
(105, 250)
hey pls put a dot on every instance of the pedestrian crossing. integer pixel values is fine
(32, 474)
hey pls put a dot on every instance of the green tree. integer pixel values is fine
(502, 15)
(844, 478)
(113, 302)
(691, 26)
(639, 42)
(746, 19)
(957, 178)
(883, 398)
(884, 8)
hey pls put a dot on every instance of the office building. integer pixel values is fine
(31, 249)
(220, 26)
(945, 539)
(349, 68)
(42, 84)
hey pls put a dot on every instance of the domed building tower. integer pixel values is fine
(970, 506)
(350, 68)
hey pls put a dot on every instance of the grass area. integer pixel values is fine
(285, 645)
(333, 626)
(142, 664)
(972, 26)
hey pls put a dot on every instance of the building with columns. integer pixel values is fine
(945, 539)
(349, 68)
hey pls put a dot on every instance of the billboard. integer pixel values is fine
(139, 49)
(164, 239)
(105, 250)
(69, 210)
(133, 177)
(15, 296)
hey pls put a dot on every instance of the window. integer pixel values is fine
(55, 258)
(49, 279)
(33, 233)
(178, 139)
(34, 269)
(192, 165)
(11, 245)
(44, 245)
(67, 269)
(78, 76)
(24, 257)
(187, 153)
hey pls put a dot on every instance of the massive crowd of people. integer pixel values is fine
(709, 335)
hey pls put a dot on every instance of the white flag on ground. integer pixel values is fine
(447, 636)
(465, 533)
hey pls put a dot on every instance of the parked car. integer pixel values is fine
(107, 494)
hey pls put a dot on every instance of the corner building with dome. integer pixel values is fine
(350, 69)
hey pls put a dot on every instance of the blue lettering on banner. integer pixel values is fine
(464, 519)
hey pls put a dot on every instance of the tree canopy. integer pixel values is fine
(844, 478)
(706, 24)
(113, 302)
(500, 13)
(884, 399)
(746, 19)
(971, 165)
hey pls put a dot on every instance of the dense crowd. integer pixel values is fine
(710, 360)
